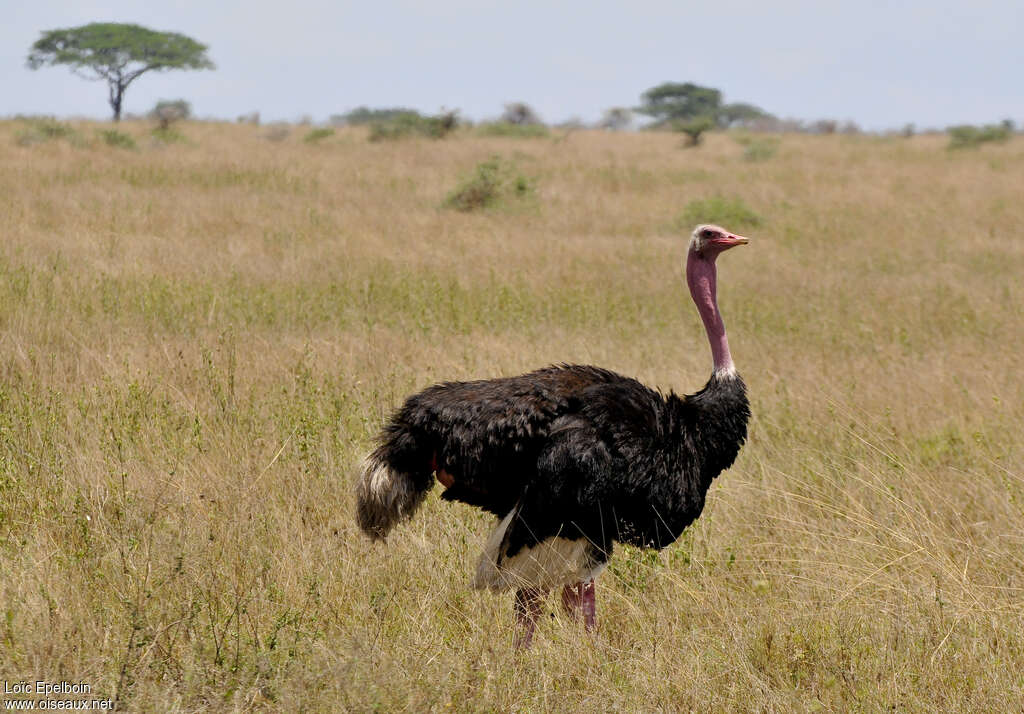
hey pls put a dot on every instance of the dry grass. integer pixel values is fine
(199, 339)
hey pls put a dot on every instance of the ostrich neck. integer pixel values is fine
(702, 277)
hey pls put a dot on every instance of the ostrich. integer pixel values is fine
(570, 459)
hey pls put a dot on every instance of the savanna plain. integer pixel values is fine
(199, 339)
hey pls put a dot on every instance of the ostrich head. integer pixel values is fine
(709, 241)
(706, 244)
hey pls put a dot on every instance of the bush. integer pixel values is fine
(314, 136)
(757, 148)
(730, 212)
(169, 111)
(491, 183)
(520, 114)
(412, 124)
(42, 130)
(168, 135)
(504, 128)
(117, 139)
(966, 136)
(616, 119)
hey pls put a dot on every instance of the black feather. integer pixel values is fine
(584, 452)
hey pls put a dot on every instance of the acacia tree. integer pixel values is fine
(674, 101)
(118, 53)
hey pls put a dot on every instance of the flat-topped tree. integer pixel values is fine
(674, 101)
(118, 53)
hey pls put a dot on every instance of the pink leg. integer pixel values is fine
(580, 597)
(527, 611)
(589, 600)
(571, 601)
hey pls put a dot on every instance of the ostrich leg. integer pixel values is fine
(571, 601)
(581, 597)
(527, 611)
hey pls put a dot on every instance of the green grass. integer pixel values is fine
(117, 139)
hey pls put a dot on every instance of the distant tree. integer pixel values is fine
(521, 114)
(169, 111)
(674, 101)
(365, 115)
(740, 114)
(118, 53)
(824, 126)
(616, 119)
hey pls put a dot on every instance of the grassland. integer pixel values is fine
(198, 340)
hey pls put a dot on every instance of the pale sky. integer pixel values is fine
(881, 64)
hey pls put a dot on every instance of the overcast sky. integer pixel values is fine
(881, 64)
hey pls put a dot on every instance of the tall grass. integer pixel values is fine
(200, 340)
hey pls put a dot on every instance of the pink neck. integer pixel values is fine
(702, 277)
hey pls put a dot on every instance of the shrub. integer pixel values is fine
(42, 130)
(966, 136)
(117, 139)
(411, 124)
(730, 212)
(757, 148)
(520, 114)
(314, 136)
(168, 135)
(521, 131)
(169, 111)
(616, 119)
(491, 183)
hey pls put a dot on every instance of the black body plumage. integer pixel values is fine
(581, 452)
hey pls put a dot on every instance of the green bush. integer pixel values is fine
(168, 135)
(365, 115)
(314, 136)
(492, 183)
(504, 128)
(117, 139)
(412, 124)
(966, 136)
(729, 212)
(759, 148)
(43, 130)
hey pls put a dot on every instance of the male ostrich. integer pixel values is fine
(569, 458)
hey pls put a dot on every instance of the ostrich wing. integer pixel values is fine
(488, 434)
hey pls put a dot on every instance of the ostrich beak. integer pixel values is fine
(731, 241)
